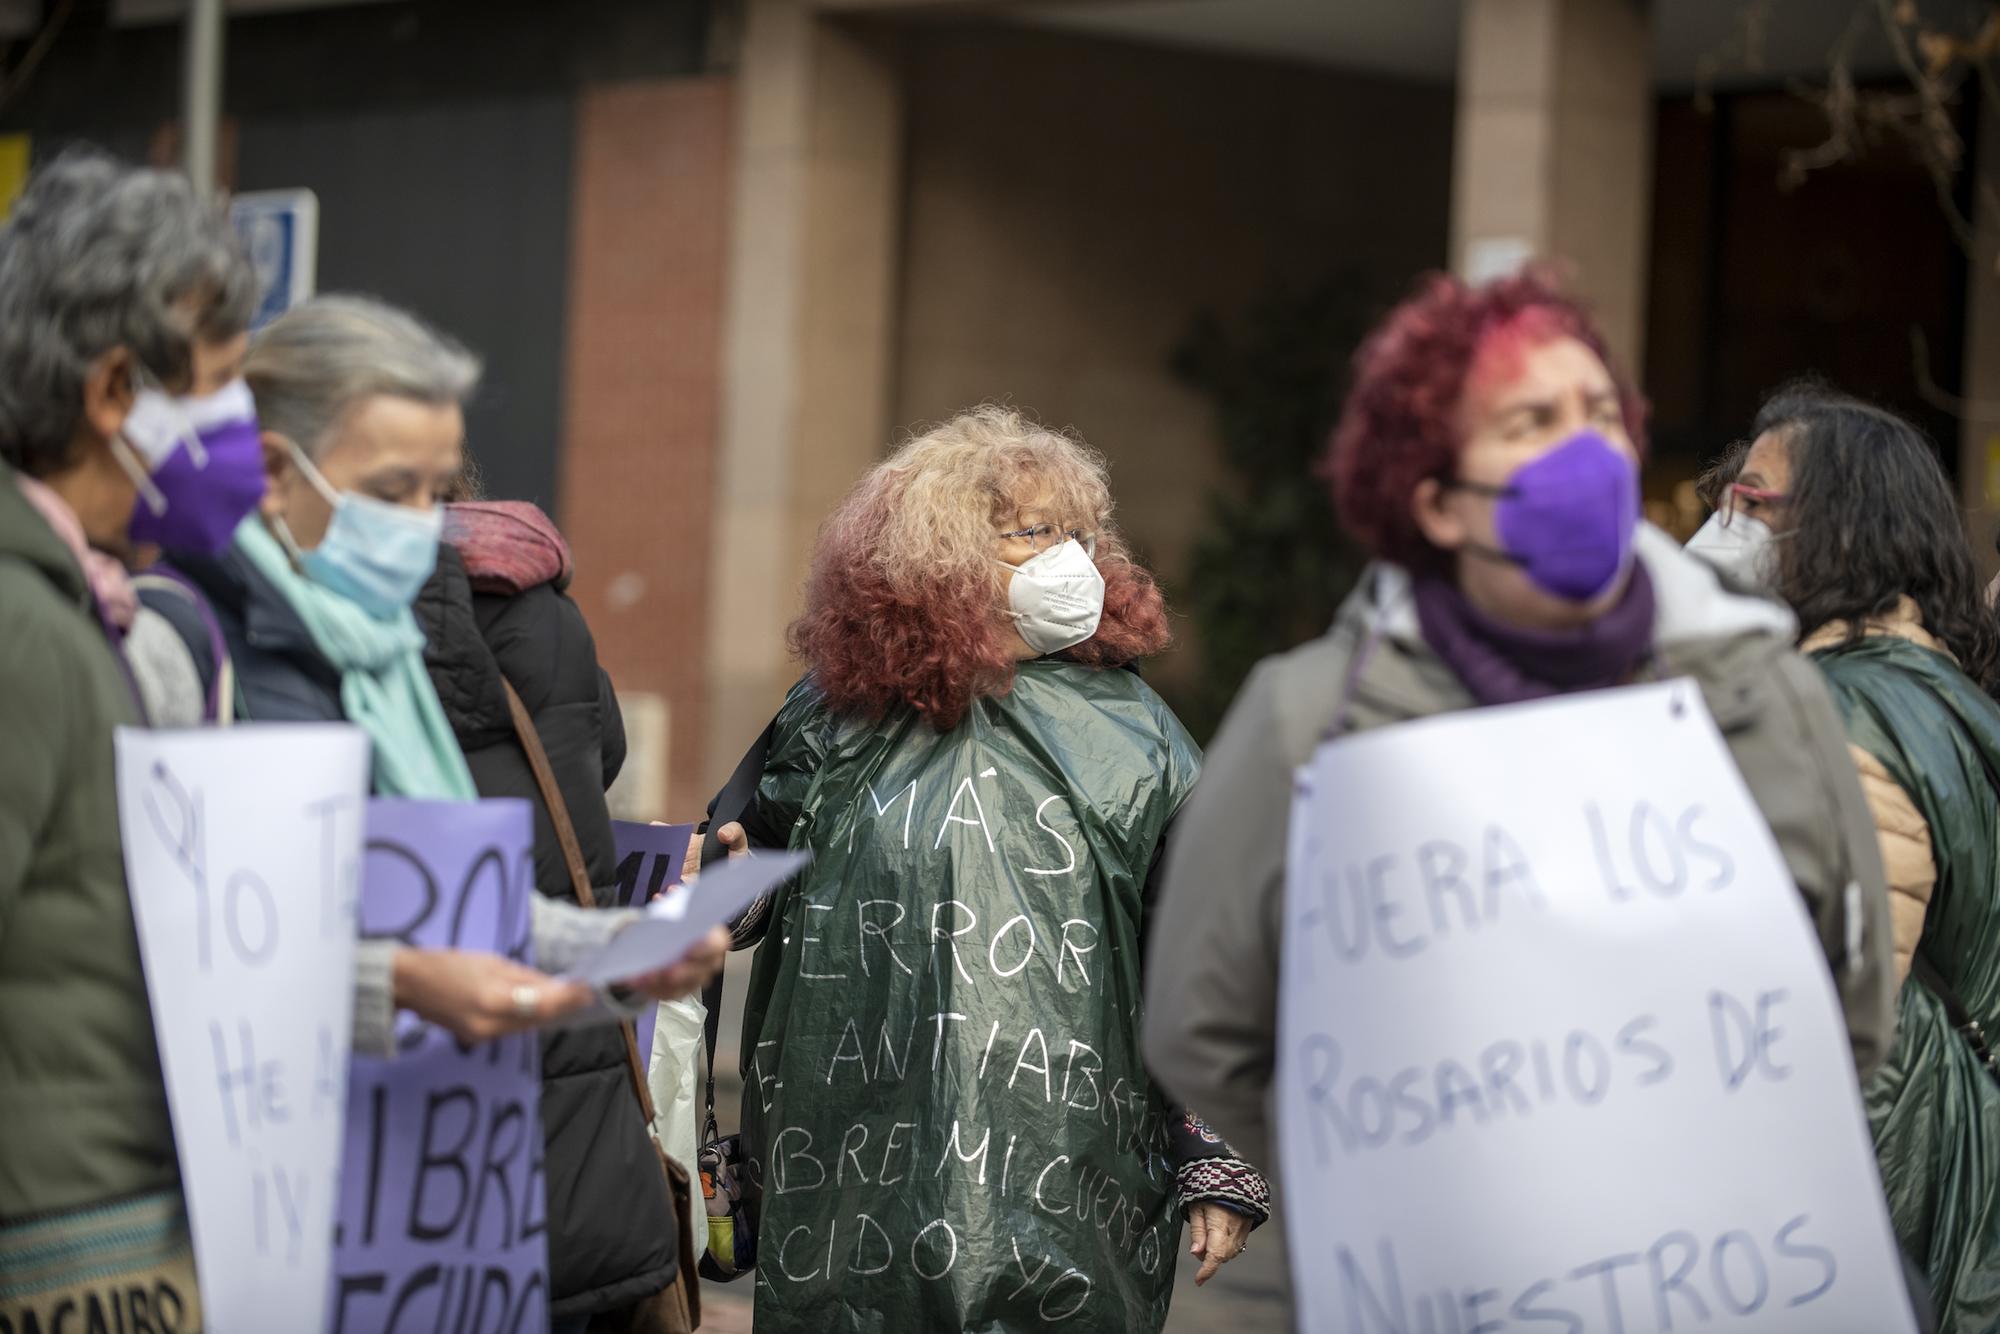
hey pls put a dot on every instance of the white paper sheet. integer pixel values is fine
(677, 921)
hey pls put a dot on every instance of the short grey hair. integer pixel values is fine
(99, 255)
(326, 355)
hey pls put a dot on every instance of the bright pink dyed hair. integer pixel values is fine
(905, 602)
(1401, 423)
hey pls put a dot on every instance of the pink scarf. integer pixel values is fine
(509, 546)
(107, 578)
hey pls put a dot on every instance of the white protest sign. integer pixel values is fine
(243, 854)
(672, 924)
(1558, 1049)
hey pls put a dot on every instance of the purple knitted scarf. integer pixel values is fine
(1502, 664)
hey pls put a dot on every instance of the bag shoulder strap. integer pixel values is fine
(219, 682)
(1956, 1013)
(739, 794)
(732, 803)
(579, 877)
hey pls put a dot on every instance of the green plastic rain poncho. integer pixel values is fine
(944, 1098)
(1934, 1110)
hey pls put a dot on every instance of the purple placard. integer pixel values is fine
(443, 1221)
(649, 862)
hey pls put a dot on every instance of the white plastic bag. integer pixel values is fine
(672, 1071)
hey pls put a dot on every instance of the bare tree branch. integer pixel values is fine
(1936, 394)
(1943, 153)
(1935, 65)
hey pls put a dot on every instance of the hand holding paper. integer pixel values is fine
(680, 980)
(674, 924)
(477, 995)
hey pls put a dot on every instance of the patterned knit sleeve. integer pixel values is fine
(1208, 1171)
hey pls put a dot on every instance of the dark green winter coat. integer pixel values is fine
(943, 1092)
(83, 1112)
(1934, 1111)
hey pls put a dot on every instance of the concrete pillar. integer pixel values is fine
(808, 324)
(201, 91)
(1554, 150)
(1979, 432)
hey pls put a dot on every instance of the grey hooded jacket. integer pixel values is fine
(1212, 981)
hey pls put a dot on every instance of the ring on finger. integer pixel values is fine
(526, 1000)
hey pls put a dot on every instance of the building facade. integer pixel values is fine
(720, 256)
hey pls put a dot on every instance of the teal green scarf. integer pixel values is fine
(384, 687)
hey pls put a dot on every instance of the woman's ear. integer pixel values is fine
(1436, 518)
(278, 470)
(109, 390)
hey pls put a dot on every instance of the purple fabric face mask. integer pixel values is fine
(206, 467)
(1569, 518)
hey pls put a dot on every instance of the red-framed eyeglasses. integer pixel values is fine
(1749, 500)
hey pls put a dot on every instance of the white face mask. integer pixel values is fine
(1740, 548)
(376, 555)
(1056, 597)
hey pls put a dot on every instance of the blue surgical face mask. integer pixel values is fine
(374, 554)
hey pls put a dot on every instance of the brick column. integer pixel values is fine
(641, 404)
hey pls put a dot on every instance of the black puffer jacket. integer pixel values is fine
(612, 1238)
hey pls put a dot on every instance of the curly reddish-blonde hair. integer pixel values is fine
(1402, 422)
(906, 602)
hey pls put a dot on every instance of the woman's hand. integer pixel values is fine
(478, 996)
(694, 971)
(1220, 1234)
(734, 841)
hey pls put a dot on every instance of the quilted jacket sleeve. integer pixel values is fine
(1906, 855)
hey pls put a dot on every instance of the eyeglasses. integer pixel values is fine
(1047, 536)
(1747, 500)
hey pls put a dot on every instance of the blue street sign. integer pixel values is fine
(280, 228)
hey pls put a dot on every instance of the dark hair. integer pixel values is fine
(99, 255)
(1717, 474)
(1873, 520)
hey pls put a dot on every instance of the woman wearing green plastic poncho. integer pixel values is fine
(1843, 510)
(945, 1102)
